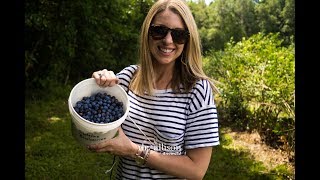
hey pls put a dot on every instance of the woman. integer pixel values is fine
(172, 124)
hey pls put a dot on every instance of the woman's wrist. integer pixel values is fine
(142, 156)
(135, 150)
(140, 153)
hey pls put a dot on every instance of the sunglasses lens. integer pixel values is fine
(179, 36)
(158, 32)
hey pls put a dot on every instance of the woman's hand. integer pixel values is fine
(120, 145)
(105, 78)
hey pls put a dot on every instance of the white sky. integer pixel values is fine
(208, 1)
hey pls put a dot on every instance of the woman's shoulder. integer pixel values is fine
(202, 95)
(129, 70)
(202, 85)
(132, 68)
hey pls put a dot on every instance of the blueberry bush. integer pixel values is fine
(257, 87)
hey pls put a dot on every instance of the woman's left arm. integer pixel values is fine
(193, 165)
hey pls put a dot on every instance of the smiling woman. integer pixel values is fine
(172, 124)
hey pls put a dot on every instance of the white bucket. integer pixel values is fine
(85, 131)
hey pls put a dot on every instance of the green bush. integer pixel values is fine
(257, 87)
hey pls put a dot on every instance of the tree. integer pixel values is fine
(66, 41)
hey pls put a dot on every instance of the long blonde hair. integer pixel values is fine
(188, 68)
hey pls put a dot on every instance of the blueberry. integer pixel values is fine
(100, 108)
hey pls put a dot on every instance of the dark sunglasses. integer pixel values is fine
(179, 36)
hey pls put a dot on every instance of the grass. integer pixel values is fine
(52, 153)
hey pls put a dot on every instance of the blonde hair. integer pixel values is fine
(191, 59)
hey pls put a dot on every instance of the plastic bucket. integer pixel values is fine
(85, 131)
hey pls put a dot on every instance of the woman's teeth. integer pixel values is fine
(166, 50)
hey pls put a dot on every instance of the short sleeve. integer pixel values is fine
(125, 76)
(202, 122)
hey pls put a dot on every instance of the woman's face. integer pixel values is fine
(165, 51)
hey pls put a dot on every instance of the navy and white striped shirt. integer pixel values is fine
(172, 122)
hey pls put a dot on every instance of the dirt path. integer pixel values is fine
(261, 152)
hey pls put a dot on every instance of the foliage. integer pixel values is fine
(66, 41)
(277, 16)
(225, 19)
(257, 85)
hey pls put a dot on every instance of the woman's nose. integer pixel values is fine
(168, 38)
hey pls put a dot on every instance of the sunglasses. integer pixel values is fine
(179, 36)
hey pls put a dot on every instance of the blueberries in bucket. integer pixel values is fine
(100, 108)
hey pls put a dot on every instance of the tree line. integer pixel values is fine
(67, 40)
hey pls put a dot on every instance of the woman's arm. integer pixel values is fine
(193, 165)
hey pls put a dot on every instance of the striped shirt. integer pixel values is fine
(167, 122)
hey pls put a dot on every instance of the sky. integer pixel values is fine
(208, 1)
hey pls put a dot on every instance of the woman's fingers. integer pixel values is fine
(100, 147)
(116, 146)
(105, 78)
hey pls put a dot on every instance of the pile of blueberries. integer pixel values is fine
(100, 108)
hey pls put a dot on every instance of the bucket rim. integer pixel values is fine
(123, 117)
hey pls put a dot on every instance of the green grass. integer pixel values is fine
(52, 153)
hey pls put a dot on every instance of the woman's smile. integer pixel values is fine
(166, 51)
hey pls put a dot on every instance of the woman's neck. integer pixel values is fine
(163, 77)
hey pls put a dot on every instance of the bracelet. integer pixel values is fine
(146, 156)
(140, 151)
(142, 155)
